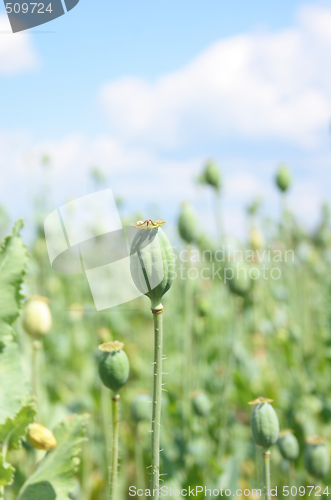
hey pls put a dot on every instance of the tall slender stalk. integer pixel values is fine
(188, 347)
(218, 216)
(227, 376)
(115, 400)
(139, 457)
(266, 463)
(107, 426)
(157, 397)
(36, 346)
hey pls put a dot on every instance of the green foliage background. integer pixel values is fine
(275, 341)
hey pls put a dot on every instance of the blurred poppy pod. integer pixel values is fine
(317, 459)
(152, 261)
(288, 445)
(201, 404)
(264, 422)
(212, 175)
(283, 178)
(40, 437)
(37, 317)
(238, 278)
(141, 408)
(187, 224)
(113, 365)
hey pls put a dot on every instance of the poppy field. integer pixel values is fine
(219, 376)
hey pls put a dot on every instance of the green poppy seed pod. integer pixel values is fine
(152, 261)
(212, 175)
(187, 224)
(238, 278)
(141, 408)
(264, 422)
(40, 437)
(283, 178)
(288, 445)
(113, 365)
(37, 317)
(317, 459)
(201, 404)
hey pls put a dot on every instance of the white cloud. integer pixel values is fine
(272, 85)
(16, 50)
(262, 85)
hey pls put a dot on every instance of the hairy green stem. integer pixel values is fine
(266, 470)
(139, 457)
(115, 400)
(106, 421)
(157, 397)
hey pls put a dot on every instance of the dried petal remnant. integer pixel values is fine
(149, 224)
(260, 400)
(111, 346)
(315, 440)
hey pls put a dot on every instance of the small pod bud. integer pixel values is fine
(288, 445)
(264, 422)
(152, 261)
(238, 278)
(212, 175)
(256, 239)
(40, 437)
(317, 459)
(141, 408)
(187, 224)
(37, 318)
(113, 365)
(204, 307)
(201, 404)
(76, 311)
(283, 178)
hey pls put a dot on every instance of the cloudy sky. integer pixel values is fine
(147, 91)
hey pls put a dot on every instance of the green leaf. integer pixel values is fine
(6, 473)
(14, 429)
(54, 475)
(13, 259)
(14, 389)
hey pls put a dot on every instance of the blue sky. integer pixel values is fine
(149, 90)
(91, 46)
